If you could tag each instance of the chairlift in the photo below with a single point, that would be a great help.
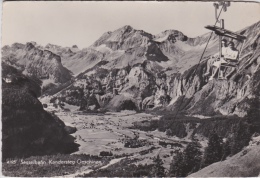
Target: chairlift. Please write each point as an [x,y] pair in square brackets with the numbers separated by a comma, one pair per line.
[231,59]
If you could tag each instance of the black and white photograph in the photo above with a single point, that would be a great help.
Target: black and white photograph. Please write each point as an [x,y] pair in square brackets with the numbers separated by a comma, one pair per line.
[130,89]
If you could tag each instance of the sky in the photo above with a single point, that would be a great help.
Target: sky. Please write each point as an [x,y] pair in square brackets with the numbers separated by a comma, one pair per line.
[82,23]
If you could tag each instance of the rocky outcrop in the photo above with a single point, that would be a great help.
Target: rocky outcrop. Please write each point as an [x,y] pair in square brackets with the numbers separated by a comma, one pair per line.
[134,83]
[121,102]
[27,128]
[137,75]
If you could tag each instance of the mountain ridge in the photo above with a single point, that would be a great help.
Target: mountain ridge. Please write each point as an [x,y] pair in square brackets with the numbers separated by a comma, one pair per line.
[33,60]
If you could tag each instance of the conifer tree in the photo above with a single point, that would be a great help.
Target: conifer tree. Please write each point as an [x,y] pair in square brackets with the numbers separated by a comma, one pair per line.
[187,161]
[177,165]
[213,152]
[158,169]
[226,149]
[241,137]
[192,157]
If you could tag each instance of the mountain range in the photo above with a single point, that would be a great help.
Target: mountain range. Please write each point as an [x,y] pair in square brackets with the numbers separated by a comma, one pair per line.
[170,52]
[140,56]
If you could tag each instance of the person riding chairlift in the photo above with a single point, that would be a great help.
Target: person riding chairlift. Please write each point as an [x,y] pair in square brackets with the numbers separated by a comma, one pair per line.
[214,63]
[231,54]
[213,59]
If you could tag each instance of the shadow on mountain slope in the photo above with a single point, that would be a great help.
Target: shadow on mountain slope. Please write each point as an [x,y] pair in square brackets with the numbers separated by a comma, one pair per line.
[27,128]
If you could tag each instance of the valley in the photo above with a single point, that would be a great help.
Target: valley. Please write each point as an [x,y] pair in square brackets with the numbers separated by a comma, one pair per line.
[110,132]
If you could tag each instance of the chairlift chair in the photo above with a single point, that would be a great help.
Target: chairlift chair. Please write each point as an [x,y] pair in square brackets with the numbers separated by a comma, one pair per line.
[233,36]
[222,32]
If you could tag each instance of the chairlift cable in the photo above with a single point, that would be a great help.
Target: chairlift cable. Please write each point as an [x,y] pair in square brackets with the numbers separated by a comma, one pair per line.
[197,66]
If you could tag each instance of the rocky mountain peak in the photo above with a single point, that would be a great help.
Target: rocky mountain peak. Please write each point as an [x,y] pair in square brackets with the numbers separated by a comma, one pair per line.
[34,43]
[17,46]
[127,28]
[29,46]
[171,32]
[50,55]
[170,35]
[123,38]
[49,45]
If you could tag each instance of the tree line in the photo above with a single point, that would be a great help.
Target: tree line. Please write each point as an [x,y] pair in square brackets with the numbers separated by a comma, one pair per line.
[192,159]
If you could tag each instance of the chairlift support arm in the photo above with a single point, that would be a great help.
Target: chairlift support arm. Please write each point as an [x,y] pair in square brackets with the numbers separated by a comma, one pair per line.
[227,33]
